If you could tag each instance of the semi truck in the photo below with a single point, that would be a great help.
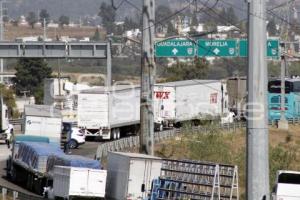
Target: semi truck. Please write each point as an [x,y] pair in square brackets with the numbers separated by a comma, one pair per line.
[111,113]
[44,169]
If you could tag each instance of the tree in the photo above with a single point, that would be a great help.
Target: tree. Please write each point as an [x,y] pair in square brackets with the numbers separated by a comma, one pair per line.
[31,19]
[30,73]
[129,24]
[185,71]
[108,16]
[171,30]
[231,16]
[271,28]
[96,36]
[162,15]
[9,100]
[15,22]
[44,15]
[63,20]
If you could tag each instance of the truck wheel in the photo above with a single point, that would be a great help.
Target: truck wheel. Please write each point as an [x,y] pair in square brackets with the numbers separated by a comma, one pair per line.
[13,175]
[73,144]
[118,133]
[29,182]
[161,127]
[113,134]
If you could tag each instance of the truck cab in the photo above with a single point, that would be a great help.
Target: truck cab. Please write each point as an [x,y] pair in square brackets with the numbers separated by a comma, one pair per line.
[287,186]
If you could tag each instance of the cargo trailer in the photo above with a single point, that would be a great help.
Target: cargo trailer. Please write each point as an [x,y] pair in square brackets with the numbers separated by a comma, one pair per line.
[43,120]
[199,99]
[130,175]
[78,182]
[107,113]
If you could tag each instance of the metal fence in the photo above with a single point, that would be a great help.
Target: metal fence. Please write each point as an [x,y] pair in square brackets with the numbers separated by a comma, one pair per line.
[16,195]
[134,141]
[131,142]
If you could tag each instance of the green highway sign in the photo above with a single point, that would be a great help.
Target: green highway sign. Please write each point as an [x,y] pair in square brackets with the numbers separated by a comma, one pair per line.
[243,48]
[175,48]
[272,48]
[219,48]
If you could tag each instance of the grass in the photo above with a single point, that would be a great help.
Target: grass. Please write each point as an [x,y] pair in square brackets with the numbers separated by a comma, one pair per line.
[229,148]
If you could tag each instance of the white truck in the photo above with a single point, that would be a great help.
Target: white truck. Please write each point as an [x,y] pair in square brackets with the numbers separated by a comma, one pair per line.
[193,100]
[43,120]
[287,186]
[106,113]
[112,113]
[130,175]
[6,129]
[78,182]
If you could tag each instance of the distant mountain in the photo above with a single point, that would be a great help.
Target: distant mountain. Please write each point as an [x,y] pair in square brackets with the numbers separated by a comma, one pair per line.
[80,8]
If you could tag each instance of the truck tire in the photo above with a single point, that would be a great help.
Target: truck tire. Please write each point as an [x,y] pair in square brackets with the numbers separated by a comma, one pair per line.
[113,134]
[13,175]
[29,182]
[118,133]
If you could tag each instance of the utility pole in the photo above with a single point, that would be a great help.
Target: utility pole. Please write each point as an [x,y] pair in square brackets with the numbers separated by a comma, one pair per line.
[1,38]
[147,78]
[45,29]
[257,118]
[283,123]
[108,64]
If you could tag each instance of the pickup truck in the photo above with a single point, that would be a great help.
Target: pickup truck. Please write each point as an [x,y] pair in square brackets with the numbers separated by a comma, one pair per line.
[287,186]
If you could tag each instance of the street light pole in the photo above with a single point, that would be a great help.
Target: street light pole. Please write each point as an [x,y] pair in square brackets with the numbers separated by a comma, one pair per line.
[147,79]
[257,118]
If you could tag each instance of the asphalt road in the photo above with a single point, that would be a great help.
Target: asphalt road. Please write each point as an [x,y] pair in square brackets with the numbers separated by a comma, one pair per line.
[88,149]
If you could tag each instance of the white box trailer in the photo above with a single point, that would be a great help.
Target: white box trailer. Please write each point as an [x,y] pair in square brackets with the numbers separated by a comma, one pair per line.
[130,175]
[196,99]
[164,105]
[43,120]
[78,182]
[103,113]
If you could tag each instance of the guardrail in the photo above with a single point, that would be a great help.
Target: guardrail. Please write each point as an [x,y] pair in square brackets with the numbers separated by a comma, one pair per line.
[134,141]
[7,193]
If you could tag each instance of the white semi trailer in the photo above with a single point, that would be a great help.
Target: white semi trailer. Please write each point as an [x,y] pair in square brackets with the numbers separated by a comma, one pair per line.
[194,100]
[110,113]
[106,113]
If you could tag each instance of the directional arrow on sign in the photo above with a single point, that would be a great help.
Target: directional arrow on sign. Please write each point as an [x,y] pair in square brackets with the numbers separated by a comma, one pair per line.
[175,51]
[216,51]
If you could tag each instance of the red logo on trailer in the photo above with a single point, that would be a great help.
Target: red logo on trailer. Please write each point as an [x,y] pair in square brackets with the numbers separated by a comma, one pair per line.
[214,98]
[161,95]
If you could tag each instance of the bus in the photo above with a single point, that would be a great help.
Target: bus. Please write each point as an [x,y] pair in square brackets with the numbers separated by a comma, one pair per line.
[292,99]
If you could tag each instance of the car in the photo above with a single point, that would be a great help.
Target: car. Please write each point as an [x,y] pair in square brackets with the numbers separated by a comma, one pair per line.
[228,118]
[75,135]
[77,138]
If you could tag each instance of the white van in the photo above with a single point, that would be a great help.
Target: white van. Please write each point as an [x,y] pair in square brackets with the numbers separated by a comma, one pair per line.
[287,186]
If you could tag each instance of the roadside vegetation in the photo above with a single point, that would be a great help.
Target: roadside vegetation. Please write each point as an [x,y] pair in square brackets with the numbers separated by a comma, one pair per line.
[229,148]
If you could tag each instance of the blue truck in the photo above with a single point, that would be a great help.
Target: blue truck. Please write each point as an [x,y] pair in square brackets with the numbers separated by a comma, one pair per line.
[292,99]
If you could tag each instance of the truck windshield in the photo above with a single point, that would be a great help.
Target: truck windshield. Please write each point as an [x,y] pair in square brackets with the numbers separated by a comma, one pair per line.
[289,178]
